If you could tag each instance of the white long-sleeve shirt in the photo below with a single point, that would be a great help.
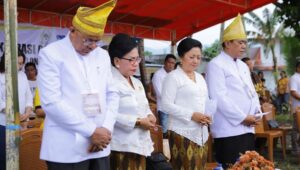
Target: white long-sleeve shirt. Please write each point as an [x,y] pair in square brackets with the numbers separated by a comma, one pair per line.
[2,99]
[24,95]
[157,82]
[229,83]
[295,86]
[181,97]
[133,104]
[64,79]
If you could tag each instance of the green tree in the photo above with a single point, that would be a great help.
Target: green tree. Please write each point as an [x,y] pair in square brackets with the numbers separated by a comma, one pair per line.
[288,12]
[211,51]
[147,53]
[291,46]
[268,30]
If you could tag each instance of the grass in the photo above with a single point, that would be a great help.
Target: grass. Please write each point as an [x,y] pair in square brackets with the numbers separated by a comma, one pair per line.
[292,162]
[284,119]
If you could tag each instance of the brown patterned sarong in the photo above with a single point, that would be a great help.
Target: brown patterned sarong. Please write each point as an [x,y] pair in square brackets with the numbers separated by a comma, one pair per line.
[185,154]
[127,161]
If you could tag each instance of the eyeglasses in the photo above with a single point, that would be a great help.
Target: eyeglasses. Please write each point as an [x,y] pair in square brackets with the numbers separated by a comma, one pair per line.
[89,42]
[133,60]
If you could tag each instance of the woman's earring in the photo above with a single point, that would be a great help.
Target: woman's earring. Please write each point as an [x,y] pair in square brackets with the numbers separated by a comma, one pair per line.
[117,66]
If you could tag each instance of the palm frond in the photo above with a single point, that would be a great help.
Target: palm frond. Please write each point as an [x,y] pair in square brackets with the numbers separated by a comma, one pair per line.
[256,41]
[253,34]
[258,22]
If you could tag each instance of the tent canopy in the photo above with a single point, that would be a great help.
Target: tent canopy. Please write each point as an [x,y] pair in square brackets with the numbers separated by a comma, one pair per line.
[169,20]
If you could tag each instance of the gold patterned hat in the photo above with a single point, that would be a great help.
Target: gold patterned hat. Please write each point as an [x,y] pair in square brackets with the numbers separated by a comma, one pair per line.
[235,31]
[91,21]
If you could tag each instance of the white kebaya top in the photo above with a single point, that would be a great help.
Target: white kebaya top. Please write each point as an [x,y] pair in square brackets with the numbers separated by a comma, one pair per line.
[133,104]
[181,97]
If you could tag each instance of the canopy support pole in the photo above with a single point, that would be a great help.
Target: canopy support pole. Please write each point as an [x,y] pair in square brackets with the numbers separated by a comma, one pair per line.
[142,63]
[11,78]
[173,42]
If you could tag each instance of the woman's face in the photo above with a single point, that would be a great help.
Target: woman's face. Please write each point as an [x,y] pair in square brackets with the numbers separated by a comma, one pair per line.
[20,63]
[191,59]
[128,64]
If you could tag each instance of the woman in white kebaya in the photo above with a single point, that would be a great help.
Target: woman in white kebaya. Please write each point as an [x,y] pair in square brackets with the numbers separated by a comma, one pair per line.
[25,102]
[184,95]
[131,141]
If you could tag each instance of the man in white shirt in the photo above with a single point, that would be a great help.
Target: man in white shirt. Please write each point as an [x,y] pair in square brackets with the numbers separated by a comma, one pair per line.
[158,78]
[230,84]
[31,73]
[77,96]
[295,93]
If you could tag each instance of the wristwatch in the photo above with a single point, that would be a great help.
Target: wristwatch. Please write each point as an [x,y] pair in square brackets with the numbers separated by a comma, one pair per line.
[138,122]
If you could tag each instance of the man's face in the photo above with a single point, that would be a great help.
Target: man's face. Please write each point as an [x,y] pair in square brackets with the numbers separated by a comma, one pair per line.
[20,63]
[282,74]
[260,75]
[82,43]
[236,48]
[298,69]
[30,72]
[169,64]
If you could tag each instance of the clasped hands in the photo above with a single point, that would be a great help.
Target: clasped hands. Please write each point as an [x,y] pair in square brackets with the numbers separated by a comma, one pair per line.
[102,136]
[147,122]
[100,139]
[201,118]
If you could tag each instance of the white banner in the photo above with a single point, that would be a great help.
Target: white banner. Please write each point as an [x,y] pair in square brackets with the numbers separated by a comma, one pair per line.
[30,41]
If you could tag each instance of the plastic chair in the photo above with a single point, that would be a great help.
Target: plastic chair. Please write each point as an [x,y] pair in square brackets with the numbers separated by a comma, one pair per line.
[270,135]
[298,118]
[157,138]
[210,149]
[267,107]
[30,150]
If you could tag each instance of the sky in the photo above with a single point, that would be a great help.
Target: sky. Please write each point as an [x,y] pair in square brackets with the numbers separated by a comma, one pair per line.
[206,37]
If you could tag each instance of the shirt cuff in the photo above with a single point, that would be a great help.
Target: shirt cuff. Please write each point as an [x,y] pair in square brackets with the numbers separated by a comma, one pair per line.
[188,115]
[87,129]
[241,121]
[109,123]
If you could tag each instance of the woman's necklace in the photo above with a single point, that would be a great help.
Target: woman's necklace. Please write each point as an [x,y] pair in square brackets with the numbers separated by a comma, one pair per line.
[191,76]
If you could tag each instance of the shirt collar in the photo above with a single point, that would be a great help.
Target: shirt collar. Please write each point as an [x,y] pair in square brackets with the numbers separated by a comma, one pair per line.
[118,76]
[228,56]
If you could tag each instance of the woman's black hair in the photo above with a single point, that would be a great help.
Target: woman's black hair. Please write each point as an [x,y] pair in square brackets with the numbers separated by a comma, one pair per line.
[21,53]
[151,76]
[245,59]
[120,45]
[177,64]
[186,45]
[2,63]
[2,60]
